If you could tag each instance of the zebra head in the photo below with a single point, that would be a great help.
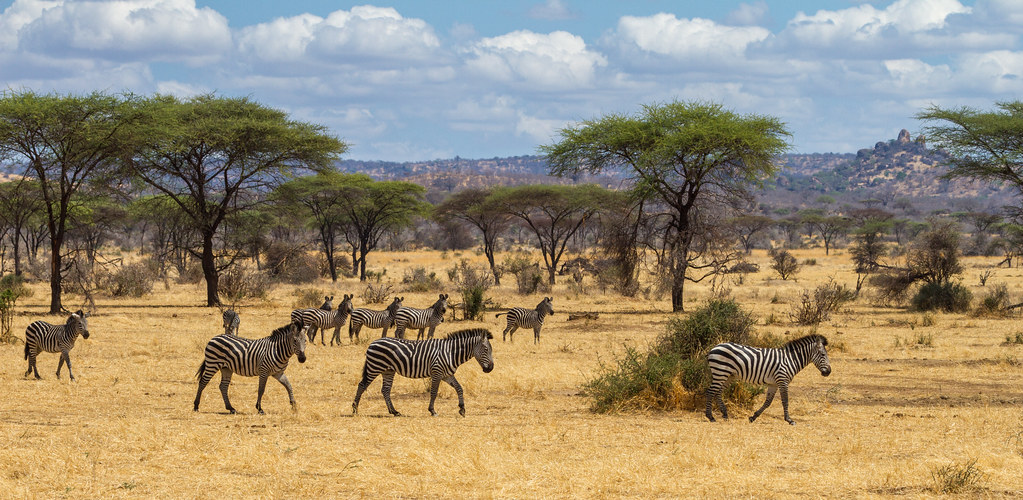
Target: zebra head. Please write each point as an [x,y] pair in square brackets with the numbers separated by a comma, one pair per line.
[483,353]
[819,355]
[328,303]
[296,338]
[544,307]
[78,323]
[393,308]
[346,305]
[440,308]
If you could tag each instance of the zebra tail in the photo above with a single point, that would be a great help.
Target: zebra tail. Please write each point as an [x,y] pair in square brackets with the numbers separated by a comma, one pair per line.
[498,315]
[202,368]
[26,349]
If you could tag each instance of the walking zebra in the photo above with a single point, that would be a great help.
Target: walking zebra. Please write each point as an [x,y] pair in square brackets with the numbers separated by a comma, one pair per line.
[434,358]
[372,319]
[773,367]
[231,322]
[410,317]
[323,318]
[41,336]
[527,318]
[265,357]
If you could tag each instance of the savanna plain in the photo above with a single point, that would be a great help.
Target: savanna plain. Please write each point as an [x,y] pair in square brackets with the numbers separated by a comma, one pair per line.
[910,394]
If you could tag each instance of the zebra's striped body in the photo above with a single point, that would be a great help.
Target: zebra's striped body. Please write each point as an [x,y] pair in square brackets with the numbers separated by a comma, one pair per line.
[41,336]
[372,319]
[322,319]
[434,358]
[265,357]
[410,317]
[231,322]
[772,367]
[520,317]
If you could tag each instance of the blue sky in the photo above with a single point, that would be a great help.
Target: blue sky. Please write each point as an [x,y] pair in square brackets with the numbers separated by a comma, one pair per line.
[416,80]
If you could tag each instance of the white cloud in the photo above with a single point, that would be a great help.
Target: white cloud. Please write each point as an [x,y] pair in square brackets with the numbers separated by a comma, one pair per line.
[551,10]
[541,130]
[122,30]
[366,35]
[749,14]
[687,39]
[559,60]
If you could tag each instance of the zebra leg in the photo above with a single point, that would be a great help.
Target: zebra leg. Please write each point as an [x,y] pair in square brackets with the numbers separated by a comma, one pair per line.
[434,384]
[225,381]
[419,336]
[784,389]
[262,387]
[32,364]
[536,335]
[67,360]
[337,335]
[204,378]
[767,402]
[287,385]
[386,391]
[353,331]
[509,331]
[458,389]
[312,333]
[709,396]
[367,379]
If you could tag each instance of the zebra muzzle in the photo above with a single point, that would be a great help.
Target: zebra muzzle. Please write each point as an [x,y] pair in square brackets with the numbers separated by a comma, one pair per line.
[827,371]
[301,357]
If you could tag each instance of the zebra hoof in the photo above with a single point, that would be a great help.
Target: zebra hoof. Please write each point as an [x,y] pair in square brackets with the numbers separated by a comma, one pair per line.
[751,419]
[396,413]
[461,411]
[231,411]
[791,422]
[433,413]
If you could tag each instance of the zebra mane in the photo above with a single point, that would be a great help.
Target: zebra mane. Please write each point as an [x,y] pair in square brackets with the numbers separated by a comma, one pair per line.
[282,331]
[470,333]
[807,339]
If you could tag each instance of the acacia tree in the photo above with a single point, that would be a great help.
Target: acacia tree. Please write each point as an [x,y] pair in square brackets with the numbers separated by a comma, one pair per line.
[318,197]
[553,213]
[746,228]
[20,201]
[64,141]
[213,155]
[477,207]
[829,227]
[372,209]
[982,146]
[679,154]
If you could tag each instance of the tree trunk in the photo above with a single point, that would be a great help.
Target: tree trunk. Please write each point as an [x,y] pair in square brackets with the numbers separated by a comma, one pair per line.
[17,251]
[209,271]
[56,307]
[488,249]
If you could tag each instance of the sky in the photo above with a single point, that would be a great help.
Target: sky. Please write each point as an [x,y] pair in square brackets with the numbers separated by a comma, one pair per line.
[410,80]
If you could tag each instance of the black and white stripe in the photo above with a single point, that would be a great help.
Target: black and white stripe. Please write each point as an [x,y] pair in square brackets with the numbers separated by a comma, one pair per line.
[410,317]
[231,322]
[41,336]
[322,319]
[434,358]
[265,357]
[371,318]
[520,317]
[772,367]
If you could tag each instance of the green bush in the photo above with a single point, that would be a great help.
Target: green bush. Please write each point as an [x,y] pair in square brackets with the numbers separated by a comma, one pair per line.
[418,280]
[946,296]
[472,282]
[995,302]
[674,374]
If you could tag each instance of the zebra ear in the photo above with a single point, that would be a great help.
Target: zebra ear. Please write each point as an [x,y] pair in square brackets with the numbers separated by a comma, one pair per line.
[824,341]
[490,336]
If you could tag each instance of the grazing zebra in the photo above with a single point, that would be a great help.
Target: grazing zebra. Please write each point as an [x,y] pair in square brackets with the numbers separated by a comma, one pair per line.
[372,319]
[410,317]
[527,318]
[323,319]
[231,322]
[265,357]
[434,358]
[773,367]
[41,336]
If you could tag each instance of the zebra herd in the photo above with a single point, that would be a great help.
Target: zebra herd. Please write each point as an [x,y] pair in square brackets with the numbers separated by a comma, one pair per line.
[436,359]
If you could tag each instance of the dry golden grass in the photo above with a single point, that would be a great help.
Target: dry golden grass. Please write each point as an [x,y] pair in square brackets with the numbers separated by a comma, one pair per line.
[892,412]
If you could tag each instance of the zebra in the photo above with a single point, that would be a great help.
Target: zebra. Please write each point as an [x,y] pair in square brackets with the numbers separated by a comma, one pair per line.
[231,322]
[322,318]
[773,367]
[527,318]
[41,336]
[265,357]
[372,319]
[410,317]
[434,358]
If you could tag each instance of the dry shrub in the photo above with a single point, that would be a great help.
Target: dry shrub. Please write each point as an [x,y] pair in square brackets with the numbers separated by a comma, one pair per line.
[995,303]
[192,274]
[377,293]
[784,263]
[956,478]
[419,280]
[291,263]
[674,374]
[817,306]
[472,282]
[132,280]
[12,288]
[239,283]
[307,298]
